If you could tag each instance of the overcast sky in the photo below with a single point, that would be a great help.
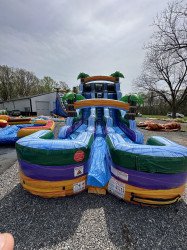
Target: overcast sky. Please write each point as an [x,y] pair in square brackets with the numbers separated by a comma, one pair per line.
[61,38]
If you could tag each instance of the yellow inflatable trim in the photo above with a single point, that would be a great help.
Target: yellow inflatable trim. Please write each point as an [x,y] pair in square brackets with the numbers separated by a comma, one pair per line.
[4,117]
[144,196]
[50,189]
[47,125]
[96,190]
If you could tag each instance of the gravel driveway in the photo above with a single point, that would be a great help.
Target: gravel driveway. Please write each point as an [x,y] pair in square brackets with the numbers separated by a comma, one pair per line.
[7,157]
[87,221]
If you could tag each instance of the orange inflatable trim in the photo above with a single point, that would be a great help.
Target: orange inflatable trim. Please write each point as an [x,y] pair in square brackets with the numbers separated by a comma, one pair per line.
[16,120]
[99,78]
[101,103]
[47,125]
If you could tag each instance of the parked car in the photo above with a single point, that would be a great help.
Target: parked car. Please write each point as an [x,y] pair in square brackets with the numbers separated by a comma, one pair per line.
[15,112]
[178,115]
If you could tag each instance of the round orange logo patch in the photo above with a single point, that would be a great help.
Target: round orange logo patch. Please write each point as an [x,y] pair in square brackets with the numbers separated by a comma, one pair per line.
[79,156]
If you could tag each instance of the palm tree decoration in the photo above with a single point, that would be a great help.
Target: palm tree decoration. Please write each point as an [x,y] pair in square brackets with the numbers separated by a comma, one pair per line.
[124,98]
[68,96]
[117,74]
[82,75]
[79,97]
[133,98]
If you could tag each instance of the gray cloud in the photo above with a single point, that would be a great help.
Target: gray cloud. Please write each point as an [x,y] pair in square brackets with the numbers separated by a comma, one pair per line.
[61,38]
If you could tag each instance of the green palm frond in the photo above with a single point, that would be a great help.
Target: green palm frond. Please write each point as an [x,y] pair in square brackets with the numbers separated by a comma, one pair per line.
[82,75]
[117,74]
[124,98]
[79,97]
[68,96]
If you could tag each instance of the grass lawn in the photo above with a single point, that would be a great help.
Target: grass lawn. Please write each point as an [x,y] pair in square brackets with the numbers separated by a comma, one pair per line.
[164,117]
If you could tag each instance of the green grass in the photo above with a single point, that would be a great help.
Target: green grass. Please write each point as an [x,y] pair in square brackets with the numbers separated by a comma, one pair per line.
[164,117]
[155,116]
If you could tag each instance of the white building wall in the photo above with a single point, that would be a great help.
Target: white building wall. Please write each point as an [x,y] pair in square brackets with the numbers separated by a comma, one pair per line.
[51,98]
[9,106]
[24,104]
[18,104]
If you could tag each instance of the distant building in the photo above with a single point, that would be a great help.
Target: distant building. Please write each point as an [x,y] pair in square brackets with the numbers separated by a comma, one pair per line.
[42,104]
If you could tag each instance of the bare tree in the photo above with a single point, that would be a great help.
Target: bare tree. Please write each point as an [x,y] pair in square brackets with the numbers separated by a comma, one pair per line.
[171,29]
[165,66]
[64,86]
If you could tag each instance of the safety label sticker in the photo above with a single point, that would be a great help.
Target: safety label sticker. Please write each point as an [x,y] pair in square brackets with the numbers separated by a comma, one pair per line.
[116,187]
[78,171]
[78,187]
[119,174]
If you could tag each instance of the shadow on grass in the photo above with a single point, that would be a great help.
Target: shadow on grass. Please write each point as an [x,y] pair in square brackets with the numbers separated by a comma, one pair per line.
[43,223]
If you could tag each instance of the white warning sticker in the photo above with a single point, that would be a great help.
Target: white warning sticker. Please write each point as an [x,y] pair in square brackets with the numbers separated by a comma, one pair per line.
[78,187]
[116,187]
[78,171]
[119,174]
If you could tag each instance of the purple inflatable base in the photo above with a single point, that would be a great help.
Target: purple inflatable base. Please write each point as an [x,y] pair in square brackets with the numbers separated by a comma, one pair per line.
[148,180]
[52,173]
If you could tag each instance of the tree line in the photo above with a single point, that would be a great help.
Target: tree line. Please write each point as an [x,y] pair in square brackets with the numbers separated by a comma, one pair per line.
[164,72]
[17,82]
[155,105]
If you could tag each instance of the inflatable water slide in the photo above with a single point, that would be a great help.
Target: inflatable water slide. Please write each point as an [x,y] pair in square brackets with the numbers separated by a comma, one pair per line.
[100,149]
